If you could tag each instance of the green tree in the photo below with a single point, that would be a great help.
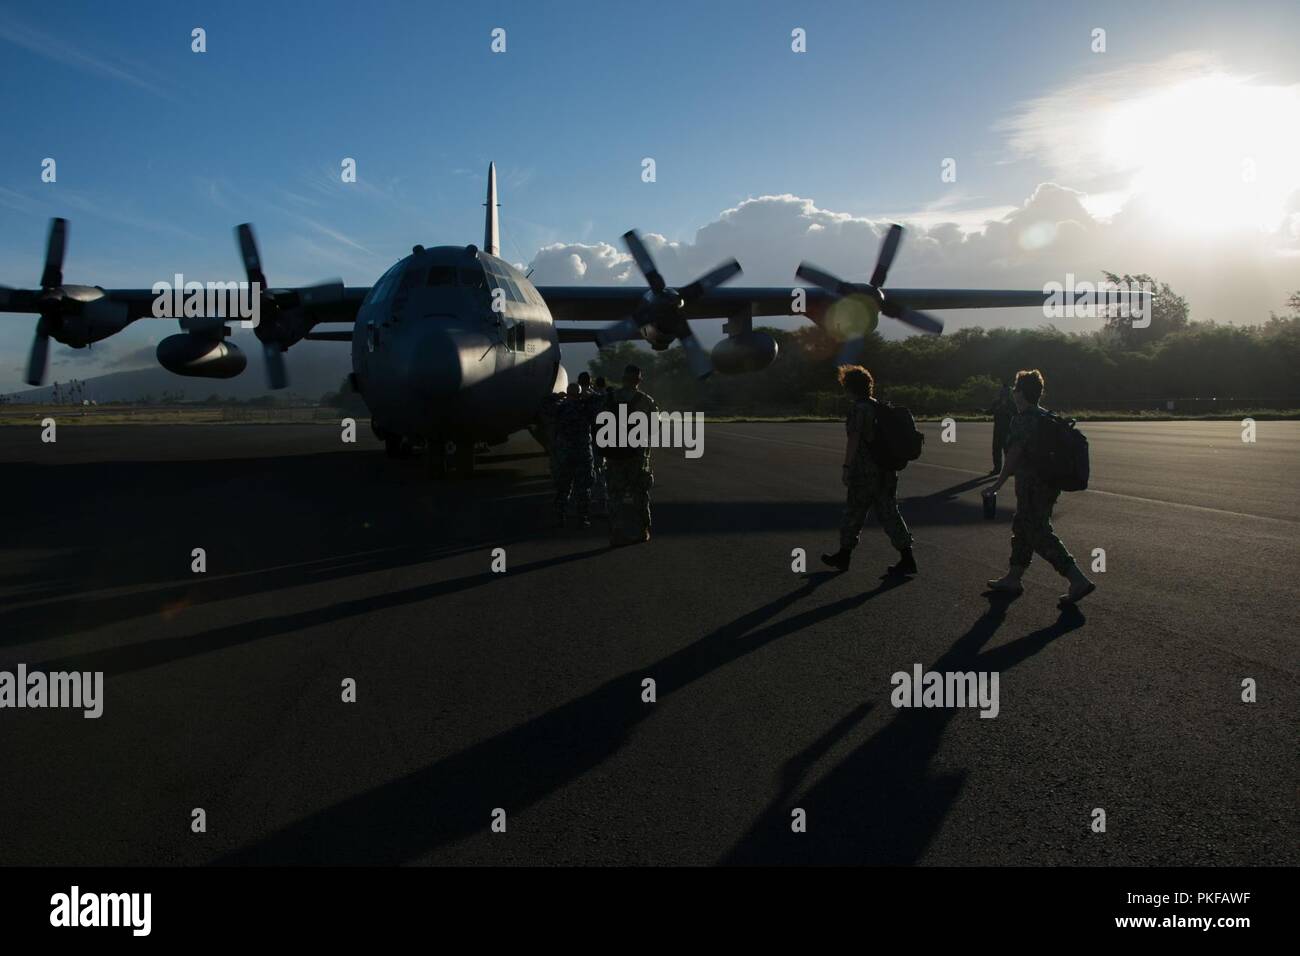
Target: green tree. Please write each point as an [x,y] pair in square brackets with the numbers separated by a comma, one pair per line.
[1169,311]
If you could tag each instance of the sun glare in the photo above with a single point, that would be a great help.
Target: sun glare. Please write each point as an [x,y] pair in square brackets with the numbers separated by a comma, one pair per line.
[1210,154]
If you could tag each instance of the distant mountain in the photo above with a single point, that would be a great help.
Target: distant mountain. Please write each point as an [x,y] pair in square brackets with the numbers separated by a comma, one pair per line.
[314,369]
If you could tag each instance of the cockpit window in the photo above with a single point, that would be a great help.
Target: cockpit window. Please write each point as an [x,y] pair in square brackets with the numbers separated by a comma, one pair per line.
[473,279]
[442,275]
[384,287]
[500,278]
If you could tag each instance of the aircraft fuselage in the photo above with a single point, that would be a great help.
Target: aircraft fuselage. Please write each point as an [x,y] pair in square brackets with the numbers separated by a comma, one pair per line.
[454,344]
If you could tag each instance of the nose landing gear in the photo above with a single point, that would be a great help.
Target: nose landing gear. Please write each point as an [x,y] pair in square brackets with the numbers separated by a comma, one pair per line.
[444,456]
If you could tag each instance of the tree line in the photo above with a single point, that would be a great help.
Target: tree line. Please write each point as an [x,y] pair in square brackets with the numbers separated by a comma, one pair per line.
[1174,359]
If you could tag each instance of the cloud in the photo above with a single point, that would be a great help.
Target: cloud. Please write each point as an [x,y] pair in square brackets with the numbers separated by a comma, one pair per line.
[770,235]
[1208,149]
[1068,128]
[1049,234]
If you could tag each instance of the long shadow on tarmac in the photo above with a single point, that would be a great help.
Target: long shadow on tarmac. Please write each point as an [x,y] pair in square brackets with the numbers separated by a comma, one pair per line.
[164,650]
[312,518]
[881,805]
[448,800]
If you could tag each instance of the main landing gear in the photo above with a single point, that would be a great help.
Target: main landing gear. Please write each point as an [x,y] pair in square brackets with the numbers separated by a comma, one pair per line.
[442,456]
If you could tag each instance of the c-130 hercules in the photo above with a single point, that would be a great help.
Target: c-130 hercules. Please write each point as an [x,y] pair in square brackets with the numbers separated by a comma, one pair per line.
[454,346]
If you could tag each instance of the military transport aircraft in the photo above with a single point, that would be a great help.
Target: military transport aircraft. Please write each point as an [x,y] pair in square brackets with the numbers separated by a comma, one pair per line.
[454,346]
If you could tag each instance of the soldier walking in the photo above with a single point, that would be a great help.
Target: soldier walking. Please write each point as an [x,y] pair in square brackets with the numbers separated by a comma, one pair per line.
[869,485]
[1031,528]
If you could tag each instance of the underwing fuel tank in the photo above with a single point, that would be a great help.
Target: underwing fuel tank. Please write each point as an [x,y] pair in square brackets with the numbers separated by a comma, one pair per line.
[200,357]
[746,352]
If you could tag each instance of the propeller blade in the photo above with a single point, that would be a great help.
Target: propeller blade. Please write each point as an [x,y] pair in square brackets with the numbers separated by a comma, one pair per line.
[810,273]
[710,279]
[888,249]
[252,259]
[917,320]
[619,332]
[641,255]
[36,360]
[58,242]
[696,356]
[276,376]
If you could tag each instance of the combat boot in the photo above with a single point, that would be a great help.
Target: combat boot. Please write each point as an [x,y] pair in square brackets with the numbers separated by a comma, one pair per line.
[1009,583]
[906,565]
[839,560]
[1080,587]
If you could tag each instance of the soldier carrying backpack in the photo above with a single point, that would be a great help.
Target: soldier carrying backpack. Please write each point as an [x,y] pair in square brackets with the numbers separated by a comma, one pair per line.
[1047,455]
[882,439]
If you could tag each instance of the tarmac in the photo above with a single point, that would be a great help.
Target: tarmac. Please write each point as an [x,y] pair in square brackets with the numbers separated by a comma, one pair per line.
[525,691]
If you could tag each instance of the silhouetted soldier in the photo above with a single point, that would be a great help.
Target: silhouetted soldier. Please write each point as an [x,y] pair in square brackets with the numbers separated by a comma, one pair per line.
[571,454]
[1031,528]
[1002,410]
[869,486]
[628,471]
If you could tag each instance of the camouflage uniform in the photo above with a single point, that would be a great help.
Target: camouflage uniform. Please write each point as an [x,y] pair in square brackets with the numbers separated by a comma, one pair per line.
[631,475]
[1004,408]
[870,487]
[571,454]
[1031,528]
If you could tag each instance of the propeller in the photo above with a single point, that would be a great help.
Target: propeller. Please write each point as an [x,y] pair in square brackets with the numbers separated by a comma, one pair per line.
[49,301]
[67,313]
[873,290]
[663,308]
[281,311]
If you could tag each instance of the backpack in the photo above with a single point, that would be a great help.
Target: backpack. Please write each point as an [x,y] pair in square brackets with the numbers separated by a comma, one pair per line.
[897,440]
[1059,454]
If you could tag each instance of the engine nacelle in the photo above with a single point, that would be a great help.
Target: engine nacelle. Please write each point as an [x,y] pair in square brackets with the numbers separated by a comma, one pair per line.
[746,352]
[200,357]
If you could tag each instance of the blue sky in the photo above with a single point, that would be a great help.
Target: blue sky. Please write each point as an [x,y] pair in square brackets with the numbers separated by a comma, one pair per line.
[161,151]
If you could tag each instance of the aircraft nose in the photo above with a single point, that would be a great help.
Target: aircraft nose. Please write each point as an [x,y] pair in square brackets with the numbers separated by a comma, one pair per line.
[447,360]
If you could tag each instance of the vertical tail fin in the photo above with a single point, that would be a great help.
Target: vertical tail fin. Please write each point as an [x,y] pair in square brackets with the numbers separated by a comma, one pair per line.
[491,228]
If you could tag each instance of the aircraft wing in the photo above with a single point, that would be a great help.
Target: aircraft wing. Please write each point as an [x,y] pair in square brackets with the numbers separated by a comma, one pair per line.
[77,315]
[612,303]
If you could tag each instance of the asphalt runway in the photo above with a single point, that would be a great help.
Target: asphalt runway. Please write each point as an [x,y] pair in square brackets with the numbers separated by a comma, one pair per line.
[523,690]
